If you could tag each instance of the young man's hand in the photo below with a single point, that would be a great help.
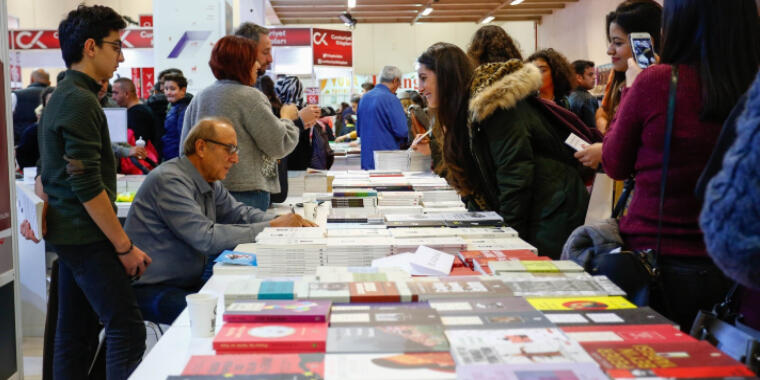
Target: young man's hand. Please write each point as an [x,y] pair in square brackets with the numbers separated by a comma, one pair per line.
[135,262]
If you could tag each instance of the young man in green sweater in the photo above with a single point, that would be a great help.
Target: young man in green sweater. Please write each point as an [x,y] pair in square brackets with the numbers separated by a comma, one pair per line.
[97,259]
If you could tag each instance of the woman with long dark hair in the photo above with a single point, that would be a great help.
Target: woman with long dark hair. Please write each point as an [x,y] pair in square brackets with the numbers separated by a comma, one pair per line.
[498,148]
[556,76]
[631,16]
[712,75]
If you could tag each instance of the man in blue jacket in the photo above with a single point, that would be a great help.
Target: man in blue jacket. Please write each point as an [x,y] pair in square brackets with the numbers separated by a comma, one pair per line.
[380,119]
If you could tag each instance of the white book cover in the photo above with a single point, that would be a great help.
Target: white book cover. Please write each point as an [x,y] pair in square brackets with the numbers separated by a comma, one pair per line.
[515,346]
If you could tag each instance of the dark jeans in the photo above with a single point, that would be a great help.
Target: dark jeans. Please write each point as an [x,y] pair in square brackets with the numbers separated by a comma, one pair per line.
[91,276]
[688,285]
[161,303]
[253,198]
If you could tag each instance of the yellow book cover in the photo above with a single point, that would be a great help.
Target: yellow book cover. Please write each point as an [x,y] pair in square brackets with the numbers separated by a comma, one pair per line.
[539,266]
[580,303]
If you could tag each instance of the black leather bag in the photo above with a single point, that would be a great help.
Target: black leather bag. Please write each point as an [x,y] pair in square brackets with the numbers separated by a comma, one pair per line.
[636,272]
[723,328]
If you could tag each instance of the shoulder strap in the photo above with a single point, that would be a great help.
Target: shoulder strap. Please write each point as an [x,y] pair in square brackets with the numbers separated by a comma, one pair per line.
[666,154]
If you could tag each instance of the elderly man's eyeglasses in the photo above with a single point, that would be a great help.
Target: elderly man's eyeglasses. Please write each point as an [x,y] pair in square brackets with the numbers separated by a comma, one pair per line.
[231,148]
[116,44]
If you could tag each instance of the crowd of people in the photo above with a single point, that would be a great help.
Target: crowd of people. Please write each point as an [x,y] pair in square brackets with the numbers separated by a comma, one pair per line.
[494,123]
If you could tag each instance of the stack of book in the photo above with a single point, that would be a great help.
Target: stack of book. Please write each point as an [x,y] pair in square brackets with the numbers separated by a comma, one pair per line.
[391,160]
[356,251]
[273,327]
[451,245]
[287,257]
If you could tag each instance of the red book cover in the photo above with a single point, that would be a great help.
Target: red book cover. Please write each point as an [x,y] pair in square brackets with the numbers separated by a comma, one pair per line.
[457,262]
[679,360]
[310,366]
[463,271]
[385,291]
[627,334]
[501,255]
[271,337]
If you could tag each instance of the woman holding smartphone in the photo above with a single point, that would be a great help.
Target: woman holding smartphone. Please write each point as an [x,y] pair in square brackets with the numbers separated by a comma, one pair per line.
[631,16]
[712,75]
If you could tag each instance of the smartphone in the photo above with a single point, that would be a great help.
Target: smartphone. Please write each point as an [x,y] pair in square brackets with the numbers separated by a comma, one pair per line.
[643,49]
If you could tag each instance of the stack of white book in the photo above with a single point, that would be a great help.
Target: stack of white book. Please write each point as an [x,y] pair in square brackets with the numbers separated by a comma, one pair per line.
[381,232]
[440,195]
[356,251]
[296,182]
[278,233]
[495,244]
[399,198]
[287,257]
[392,160]
[451,245]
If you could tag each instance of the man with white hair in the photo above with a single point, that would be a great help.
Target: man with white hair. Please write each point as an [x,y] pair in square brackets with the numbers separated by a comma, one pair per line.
[380,119]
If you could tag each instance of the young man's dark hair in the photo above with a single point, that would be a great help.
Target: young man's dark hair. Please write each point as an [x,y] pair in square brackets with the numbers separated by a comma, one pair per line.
[180,80]
[581,65]
[85,22]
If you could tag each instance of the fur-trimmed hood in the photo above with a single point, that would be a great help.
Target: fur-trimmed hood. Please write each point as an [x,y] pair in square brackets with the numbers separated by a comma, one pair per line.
[501,85]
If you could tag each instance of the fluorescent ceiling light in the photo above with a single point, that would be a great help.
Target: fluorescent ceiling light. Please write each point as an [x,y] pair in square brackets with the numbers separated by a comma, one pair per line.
[486,20]
[427,11]
[351,3]
[515,2]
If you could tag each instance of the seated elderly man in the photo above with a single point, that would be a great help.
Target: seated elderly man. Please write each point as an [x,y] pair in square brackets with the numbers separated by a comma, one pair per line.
[182,216]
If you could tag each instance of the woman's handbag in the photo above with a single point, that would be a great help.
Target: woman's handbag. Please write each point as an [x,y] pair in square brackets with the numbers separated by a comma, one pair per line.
[723,328]
[636,272]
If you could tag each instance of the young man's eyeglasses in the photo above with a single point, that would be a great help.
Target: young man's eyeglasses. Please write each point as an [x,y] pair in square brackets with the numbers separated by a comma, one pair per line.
[116,44]
[231,148]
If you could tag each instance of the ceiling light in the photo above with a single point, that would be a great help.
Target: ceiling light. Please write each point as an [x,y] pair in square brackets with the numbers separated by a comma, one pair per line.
[351,3]
[347,19]
[515,2]
[486,19]
[427,11]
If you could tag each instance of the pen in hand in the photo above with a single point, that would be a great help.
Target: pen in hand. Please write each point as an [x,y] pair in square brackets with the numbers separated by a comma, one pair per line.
[419,138]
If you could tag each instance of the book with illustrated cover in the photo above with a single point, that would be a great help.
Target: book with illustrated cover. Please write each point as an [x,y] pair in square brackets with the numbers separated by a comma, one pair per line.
[673,360]
[387,339]
[515,346]
[580,303]
[543,371]
[270,338]
[382,314]
[639,316]
[627,334]
[291,366]
[278,311]
[392,366]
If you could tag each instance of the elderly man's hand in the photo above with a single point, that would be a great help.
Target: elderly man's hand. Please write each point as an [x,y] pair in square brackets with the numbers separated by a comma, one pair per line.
[291,220]
[27,232]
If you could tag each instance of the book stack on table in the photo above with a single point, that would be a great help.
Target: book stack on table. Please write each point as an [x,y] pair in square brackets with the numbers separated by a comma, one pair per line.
[446,328]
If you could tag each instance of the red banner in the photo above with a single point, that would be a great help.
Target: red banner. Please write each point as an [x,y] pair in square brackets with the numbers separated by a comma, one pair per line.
[147,78]
[48,39]
[146,21]
[332,47]
[312,95]
[290,36]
